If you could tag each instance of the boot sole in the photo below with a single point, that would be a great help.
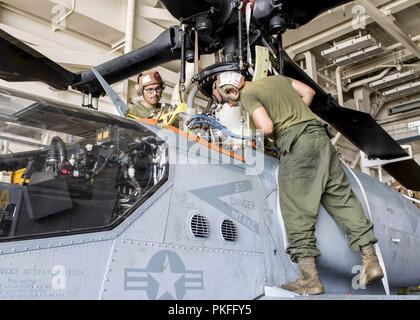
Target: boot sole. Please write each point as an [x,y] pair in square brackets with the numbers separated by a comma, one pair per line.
[375,278]
[312,292]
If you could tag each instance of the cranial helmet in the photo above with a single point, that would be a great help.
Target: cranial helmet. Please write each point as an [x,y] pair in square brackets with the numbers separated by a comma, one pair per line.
[227,86]
[148,79]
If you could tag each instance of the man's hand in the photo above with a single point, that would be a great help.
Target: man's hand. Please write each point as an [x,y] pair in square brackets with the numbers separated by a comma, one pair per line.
[306,92]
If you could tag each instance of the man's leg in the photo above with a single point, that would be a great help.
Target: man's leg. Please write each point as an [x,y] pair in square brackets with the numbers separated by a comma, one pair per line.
[299,210]
[300,194]
[343,205]
[301,180]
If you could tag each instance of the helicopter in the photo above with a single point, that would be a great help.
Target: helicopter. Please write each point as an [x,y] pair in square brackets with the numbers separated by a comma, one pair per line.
[107,207]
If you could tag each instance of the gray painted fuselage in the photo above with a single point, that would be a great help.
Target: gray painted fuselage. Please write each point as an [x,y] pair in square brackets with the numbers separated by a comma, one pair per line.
[154,255]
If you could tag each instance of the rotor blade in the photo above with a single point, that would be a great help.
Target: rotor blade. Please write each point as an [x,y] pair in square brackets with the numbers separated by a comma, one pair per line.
[185,8]
[298,10]
[405,172]
[19,62]
[119,104]
[163,49]
[359,128]
[302,13]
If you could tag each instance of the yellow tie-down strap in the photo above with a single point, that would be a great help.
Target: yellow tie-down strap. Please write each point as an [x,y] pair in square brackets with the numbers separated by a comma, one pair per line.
[167,119]
[164,119]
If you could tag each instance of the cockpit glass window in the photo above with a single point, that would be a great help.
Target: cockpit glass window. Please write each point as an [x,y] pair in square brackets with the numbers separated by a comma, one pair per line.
[26,138]
[69,170]
[10,104]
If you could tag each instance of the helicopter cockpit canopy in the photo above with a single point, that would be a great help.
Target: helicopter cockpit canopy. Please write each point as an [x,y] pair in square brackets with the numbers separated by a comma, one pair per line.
[65,169]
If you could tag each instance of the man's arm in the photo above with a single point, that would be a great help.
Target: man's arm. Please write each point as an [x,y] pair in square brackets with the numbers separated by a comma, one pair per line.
[263,121]
[306,92]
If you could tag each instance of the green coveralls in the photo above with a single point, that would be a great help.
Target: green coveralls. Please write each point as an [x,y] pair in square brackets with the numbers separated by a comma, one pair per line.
[139,110]
[310,170]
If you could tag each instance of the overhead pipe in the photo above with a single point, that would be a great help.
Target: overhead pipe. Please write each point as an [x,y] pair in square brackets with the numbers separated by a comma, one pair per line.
[129,38]
[129,31]
[367,80]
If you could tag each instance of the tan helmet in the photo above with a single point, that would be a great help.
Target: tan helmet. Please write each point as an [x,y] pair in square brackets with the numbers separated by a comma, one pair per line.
[148,79]
[227,86]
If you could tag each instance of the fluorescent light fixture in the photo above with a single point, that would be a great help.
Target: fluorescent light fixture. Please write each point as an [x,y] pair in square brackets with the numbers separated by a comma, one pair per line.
[393,79]
[347,46]
[359,55]
[402,90]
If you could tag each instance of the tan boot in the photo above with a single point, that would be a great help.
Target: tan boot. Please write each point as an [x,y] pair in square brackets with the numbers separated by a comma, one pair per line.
[308,282]
[371,271]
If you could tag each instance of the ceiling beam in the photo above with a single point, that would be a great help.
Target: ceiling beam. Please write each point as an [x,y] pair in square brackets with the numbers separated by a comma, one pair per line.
[144,29]
[106,25]
[391,58]
[390,25]
[156,14]
[18,19]
[335,24]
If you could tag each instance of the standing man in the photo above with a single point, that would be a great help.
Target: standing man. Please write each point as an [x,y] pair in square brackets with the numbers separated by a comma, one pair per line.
[150,86]
[310,173]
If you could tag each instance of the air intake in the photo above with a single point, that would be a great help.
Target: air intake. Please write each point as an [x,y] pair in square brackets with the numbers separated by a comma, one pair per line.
[200,226]
[228,230]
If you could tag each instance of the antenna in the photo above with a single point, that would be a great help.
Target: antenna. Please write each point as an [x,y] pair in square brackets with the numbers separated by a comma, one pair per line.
[116,100]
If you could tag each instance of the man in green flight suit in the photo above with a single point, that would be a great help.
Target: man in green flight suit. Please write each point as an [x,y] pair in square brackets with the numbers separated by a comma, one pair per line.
[310,173]
[150,86]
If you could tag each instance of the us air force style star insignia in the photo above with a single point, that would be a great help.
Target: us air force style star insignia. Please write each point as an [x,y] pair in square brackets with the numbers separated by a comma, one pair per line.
[165,278]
